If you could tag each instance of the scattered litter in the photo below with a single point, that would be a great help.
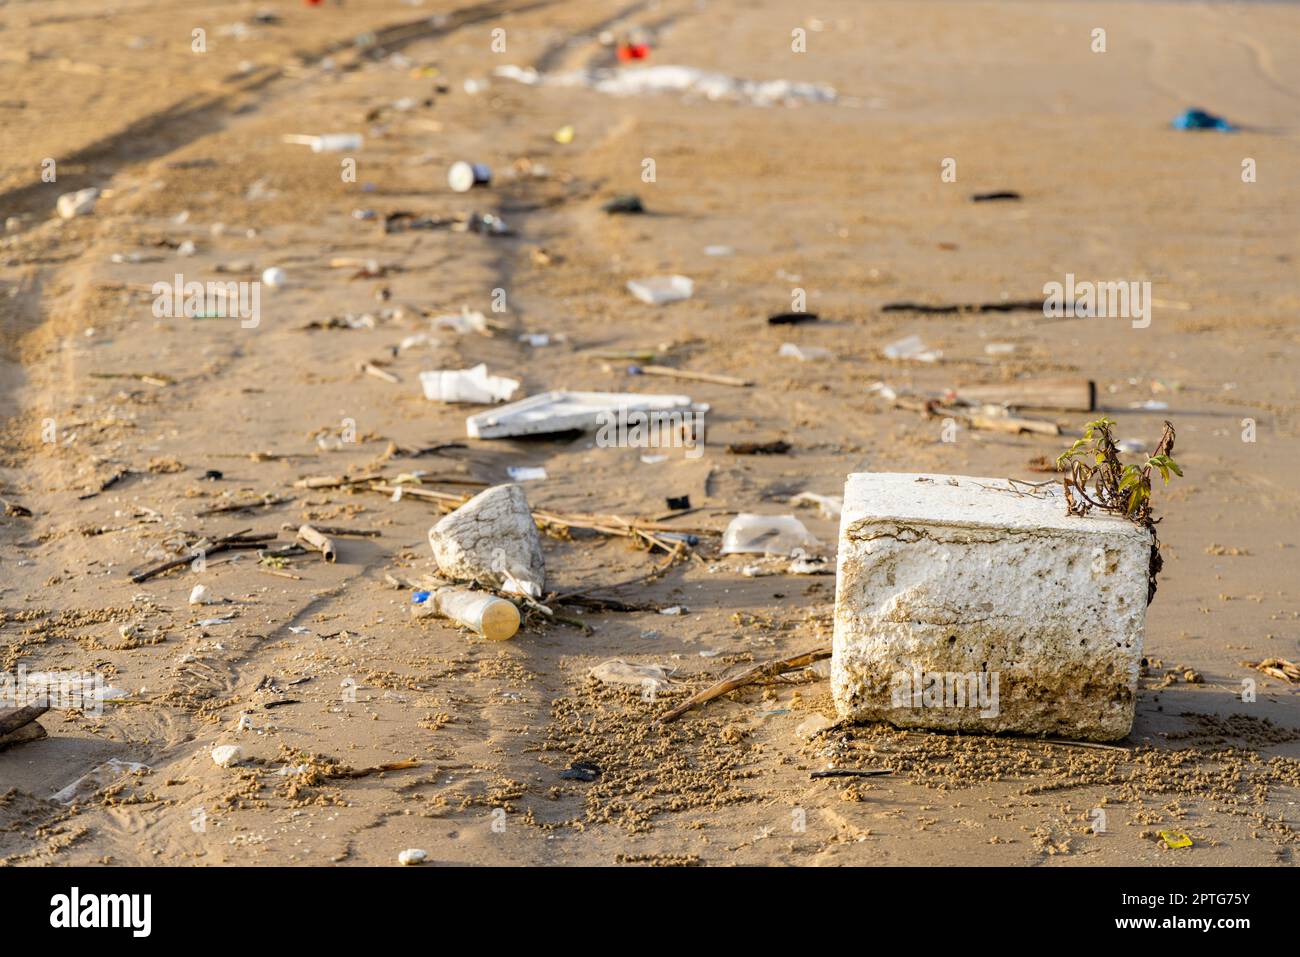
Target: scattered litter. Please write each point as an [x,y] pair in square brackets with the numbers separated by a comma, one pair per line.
[627,204]
[564,135]
[777,447]
[484,614]
[999,348]
[1176,839]
[615,671]
[801,564]
[828,505]
[812,726]
[412,856]
[526,473]
[227,755]
[1196,119]
[911,348]
[1131,446]
[629,52]
[678,502]
[1004,194]
[327,142]
[1006,305]
[96,780]
[463,322]
[467,385]
[1150,405]
[791,318]
[849,773]
[462,176]
[275,277]
[671,373]
[491,539]
[683,80]
[1065,394]
[561,411]
[804,353]
[581,771]
[199,596]
[80,203]
[719,250]
[220,620]
[673,610]
[661,290]
[765,535]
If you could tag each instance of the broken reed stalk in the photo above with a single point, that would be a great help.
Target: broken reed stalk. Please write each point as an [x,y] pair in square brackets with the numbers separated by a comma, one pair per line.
[227,543]
[770,669]
[377,769]
[932,408]
[319,542]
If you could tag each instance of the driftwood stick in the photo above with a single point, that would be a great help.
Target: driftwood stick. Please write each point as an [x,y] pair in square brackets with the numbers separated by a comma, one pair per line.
[768,669]
[320,542]
[11,719]
[28,732]
[377,769]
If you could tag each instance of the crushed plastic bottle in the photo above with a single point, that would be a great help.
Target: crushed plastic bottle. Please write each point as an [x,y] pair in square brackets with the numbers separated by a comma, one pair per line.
[766,535]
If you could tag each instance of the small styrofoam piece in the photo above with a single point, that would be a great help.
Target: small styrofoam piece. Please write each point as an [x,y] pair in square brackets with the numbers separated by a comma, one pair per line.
[563,411]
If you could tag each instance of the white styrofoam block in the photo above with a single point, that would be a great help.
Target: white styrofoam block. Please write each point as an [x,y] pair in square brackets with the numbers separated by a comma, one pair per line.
[968,604]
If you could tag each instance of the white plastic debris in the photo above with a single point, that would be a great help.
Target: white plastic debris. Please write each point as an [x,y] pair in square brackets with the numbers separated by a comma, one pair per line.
[804,353]
[464,321]
[462,176]
[561,411]
[616,671]
[911,348]
[765,535]
[812,726]
[100,777]
[661,290]
[684,80]
[411,856]
[328,142]
[80,203]
[227,755]
[199,595]
[467,385]
[526,473]
[491,539]
[275,277]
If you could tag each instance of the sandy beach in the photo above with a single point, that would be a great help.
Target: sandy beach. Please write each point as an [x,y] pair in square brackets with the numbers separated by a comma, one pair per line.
[133,438]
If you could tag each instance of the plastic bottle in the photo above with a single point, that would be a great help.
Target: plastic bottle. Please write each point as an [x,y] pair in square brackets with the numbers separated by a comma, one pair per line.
[494,618]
